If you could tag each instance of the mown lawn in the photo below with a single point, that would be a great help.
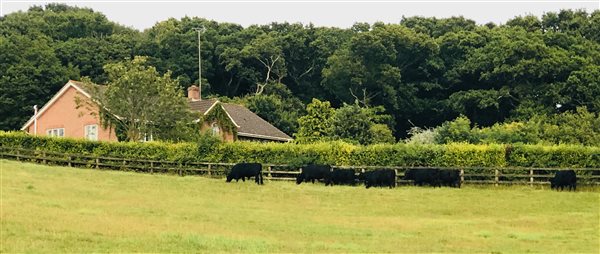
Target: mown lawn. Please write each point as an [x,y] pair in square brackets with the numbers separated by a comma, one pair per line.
[56,209]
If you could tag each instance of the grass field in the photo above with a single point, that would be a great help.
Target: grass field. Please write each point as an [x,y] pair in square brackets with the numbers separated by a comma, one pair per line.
[56,209]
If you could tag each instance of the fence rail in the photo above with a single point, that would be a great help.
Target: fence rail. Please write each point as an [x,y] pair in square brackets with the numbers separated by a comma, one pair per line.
[469,175]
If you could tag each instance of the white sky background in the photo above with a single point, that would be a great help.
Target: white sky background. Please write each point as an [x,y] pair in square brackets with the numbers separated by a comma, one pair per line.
[144,14]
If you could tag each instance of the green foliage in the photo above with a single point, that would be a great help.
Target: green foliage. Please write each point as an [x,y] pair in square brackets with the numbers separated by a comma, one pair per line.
[278,107]
[381,134]
[351,123]
[207,143]
[419,136]
[510,133]
[219,115]
[141,102]
[316,124]
[210,149]
[31,73]
[423,71]
[580,127]
[458,130]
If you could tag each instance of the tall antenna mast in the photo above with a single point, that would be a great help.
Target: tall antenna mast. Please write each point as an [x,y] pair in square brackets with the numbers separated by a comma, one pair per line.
[199,30]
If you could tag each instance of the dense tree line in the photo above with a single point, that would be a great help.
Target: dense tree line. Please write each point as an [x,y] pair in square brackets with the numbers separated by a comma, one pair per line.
[421,71]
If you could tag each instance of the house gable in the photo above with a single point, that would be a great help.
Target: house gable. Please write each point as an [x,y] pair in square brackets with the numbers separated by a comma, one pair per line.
[59,94]
[62,113]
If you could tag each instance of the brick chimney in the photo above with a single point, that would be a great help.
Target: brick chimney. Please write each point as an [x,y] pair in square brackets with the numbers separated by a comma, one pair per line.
[193,93]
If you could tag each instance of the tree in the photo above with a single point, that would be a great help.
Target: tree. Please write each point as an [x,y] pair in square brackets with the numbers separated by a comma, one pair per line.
[281,111]
[30,74]
[353,123]
[458,130]
[316,124]
[390,65]
[266,50]
[140,102]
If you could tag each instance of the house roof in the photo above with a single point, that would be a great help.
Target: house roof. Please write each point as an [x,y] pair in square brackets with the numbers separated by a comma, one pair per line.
[249,124]
[202,105]
[252,125]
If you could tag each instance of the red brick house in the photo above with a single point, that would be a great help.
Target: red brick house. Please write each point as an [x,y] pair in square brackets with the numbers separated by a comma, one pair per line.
[62,118]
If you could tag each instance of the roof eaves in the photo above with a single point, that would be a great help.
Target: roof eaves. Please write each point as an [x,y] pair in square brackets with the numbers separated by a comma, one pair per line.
[243,134]
[211,107]
[228,115]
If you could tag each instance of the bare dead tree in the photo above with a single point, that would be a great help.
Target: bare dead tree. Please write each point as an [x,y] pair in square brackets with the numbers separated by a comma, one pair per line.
[365,98]
[271,64]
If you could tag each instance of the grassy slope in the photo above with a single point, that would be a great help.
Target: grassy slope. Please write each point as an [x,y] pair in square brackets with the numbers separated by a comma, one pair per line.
[50,209]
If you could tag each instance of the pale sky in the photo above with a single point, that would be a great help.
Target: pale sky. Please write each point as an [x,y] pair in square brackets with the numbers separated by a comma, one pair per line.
[144,14]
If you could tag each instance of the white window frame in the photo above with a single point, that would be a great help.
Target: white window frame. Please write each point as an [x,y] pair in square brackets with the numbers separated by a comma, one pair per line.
[215,130]
[55,132]
[91,136]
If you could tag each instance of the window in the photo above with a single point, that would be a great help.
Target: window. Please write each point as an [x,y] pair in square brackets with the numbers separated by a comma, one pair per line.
[147,138]
[56,132]
[215,130]
[91,132]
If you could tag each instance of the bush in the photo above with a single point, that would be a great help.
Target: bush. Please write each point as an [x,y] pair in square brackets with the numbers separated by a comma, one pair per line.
[419,136]
[458,130]
[335,153]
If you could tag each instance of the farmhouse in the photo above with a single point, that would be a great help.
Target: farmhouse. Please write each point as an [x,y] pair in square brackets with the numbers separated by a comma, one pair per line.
[61,117]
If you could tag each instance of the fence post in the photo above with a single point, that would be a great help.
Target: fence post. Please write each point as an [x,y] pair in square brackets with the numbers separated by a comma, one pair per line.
[44,157]
[531,177]
[97,163]
[70,158]
[269,171]
[496,177]
[209,169]
[396,178]
[18,156]
[462,176]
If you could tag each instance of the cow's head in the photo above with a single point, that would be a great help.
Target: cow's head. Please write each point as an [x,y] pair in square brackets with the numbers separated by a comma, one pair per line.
[229,177]
[299,178]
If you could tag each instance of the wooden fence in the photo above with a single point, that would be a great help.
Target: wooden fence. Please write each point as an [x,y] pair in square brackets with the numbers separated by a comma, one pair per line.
[469,175]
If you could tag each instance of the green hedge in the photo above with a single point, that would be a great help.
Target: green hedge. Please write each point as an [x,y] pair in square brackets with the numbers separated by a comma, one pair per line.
[336,153]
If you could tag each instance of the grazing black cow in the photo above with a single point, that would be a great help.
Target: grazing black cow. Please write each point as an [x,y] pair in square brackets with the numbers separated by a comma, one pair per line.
[379,178]
[313,172]
[430,176]
[243,170]
[341,176]
[450,178]
[562,179]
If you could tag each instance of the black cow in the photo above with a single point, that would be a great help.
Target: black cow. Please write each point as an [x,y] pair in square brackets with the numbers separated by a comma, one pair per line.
[313,172]
[450,178]
[379,178]
[562,179]
[430,176]
[243,170]
[341,176]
